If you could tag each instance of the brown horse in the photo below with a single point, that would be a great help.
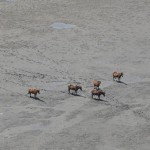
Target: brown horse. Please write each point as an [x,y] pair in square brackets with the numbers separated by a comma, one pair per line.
[33,91]
[98,93]
[117,75]
[96,83]
[74,87]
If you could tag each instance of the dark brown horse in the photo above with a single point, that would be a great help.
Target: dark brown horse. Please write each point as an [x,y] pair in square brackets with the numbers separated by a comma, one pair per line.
[98,93]
[117,75]
[33,91]
[96,83]
[74,87]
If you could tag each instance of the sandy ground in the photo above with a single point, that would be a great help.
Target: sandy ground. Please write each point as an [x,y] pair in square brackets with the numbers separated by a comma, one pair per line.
[104,36]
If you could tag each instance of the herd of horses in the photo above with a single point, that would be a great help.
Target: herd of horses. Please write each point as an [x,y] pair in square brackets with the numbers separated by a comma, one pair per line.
[95,91]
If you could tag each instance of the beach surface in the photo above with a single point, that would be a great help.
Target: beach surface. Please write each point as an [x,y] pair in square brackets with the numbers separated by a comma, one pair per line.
[49,44]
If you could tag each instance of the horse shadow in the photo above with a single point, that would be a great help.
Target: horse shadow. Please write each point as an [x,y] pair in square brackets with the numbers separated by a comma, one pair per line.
[97,99]
[36,98]
[122,82]
[77,95]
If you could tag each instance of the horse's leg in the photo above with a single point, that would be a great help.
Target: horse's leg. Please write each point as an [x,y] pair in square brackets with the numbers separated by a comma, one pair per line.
[114,78]
[68,89]
[35,95]
[30,94]
[92,95]
[76,92]
[99,96]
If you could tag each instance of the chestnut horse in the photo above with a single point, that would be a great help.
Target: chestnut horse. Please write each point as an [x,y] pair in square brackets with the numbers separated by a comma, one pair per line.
[33,91]
[96,83]
[117,75]
[74,87]
[98,93]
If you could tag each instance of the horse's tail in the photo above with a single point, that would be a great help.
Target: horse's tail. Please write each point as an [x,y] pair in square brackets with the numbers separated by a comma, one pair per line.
[69,84]
[92,81]
[29,91]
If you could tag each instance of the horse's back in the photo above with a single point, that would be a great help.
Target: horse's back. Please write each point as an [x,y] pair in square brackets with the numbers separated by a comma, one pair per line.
[32,90]
[96,82]
[115,74]
[71,86]
[94,91]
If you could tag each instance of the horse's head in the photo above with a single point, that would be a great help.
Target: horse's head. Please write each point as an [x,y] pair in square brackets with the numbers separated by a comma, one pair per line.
[122,74]
[80,87]
[99,82]
[104,94]
[38,91]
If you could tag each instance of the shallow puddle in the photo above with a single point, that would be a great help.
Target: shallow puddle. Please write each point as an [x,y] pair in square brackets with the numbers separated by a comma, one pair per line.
[59,25]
